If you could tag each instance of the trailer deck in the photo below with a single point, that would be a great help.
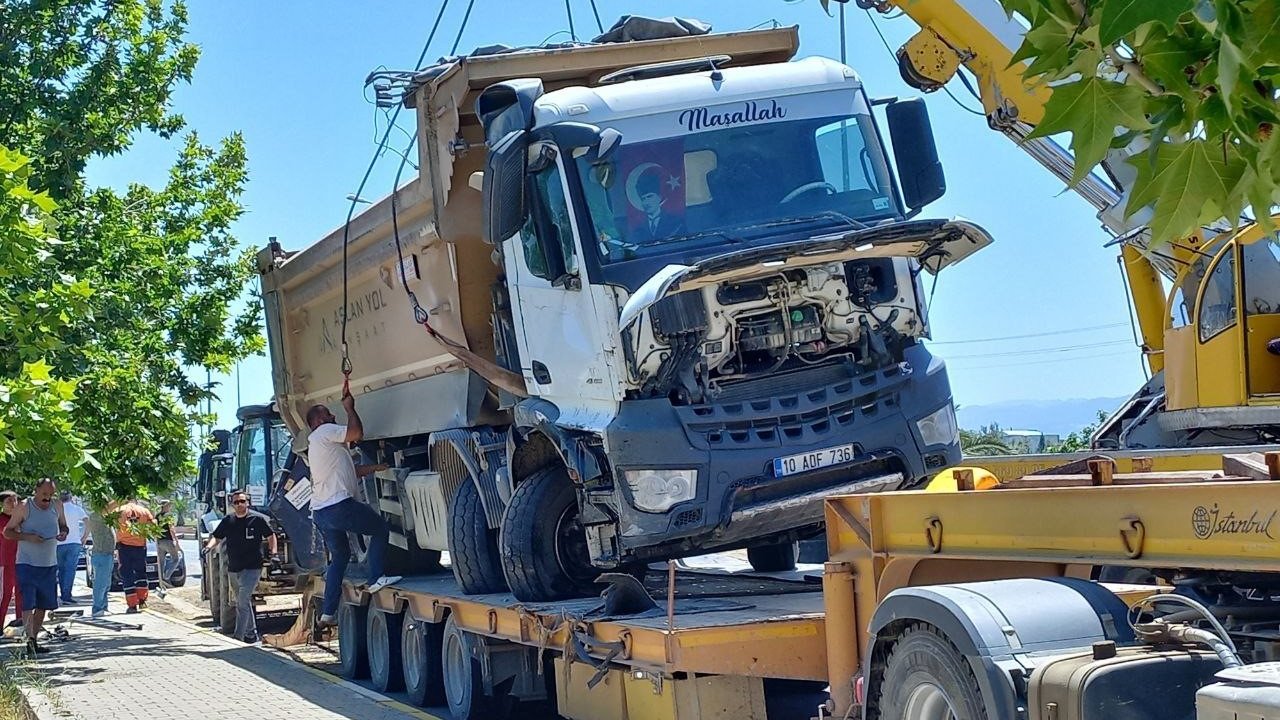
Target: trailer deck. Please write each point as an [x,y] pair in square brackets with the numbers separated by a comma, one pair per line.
[721,623]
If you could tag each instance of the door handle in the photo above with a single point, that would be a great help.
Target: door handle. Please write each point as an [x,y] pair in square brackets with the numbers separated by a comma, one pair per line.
[541,374]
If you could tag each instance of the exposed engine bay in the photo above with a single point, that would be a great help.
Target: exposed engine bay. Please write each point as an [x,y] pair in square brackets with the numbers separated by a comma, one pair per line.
[697,343]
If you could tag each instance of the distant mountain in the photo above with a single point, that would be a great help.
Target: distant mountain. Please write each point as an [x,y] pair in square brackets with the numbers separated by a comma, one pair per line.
[1058,417]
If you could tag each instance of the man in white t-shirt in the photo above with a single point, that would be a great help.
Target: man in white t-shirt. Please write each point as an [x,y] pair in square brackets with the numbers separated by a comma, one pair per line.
[70,550]
[335,506]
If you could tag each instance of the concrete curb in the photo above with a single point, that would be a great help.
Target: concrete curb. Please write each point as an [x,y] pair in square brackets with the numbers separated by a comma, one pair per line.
[38,706]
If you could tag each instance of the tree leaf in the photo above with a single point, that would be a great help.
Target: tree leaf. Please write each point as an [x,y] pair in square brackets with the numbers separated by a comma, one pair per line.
[1230,60]
[1262,33]
[1121,17]
[1092,110]
[1191,180]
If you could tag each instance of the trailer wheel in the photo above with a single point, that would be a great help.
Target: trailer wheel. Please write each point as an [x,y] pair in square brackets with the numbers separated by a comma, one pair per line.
[775,557]
[421,648]
[543,546]
[473,547]
[383,634]
[926,678]
[464,679]
[353,652]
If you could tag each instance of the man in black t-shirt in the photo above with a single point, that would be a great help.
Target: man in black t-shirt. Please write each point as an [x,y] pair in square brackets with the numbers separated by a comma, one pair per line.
[243,532]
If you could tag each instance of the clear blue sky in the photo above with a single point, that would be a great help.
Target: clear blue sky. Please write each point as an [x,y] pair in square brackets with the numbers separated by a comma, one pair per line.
[289,75]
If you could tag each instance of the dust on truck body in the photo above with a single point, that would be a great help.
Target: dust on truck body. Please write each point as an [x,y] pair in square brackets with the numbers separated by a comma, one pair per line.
[696,257]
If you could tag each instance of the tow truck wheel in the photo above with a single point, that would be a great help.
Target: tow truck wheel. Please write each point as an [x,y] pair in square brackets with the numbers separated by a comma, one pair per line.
[776,557]
[473,547]
[421,648]
[926,678]
[383,633]
[353,652]
[543,546]
[464,679]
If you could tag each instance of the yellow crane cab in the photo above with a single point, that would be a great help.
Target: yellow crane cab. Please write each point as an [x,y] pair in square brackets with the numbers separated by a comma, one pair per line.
[1223,312]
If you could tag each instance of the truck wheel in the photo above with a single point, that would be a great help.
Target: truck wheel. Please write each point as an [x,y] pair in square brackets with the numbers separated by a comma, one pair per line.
[926,678]
[215,592]
[383,633]
[473,547]
[421,651]
[353,652]
[464,679]
[227,615]
[776,557]
[543,546]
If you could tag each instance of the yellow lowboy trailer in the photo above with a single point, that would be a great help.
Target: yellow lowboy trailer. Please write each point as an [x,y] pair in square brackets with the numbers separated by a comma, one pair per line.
[997,584]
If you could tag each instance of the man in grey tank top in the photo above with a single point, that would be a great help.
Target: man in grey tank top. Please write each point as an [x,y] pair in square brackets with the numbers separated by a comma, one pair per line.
[38,524]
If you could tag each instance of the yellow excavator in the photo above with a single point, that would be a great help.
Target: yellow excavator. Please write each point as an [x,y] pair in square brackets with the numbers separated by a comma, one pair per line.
[1207,306]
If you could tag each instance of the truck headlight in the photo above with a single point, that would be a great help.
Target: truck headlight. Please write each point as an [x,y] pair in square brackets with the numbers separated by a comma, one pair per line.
[658,490]
[939,428]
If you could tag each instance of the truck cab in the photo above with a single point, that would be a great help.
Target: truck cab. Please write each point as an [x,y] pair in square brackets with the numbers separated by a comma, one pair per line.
[255,457]
[716,300]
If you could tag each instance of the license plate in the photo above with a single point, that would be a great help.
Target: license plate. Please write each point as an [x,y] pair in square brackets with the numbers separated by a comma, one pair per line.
[812,460]
[151,568]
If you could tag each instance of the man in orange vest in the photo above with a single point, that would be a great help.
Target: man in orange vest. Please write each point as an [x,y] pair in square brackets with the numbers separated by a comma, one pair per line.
[131,547]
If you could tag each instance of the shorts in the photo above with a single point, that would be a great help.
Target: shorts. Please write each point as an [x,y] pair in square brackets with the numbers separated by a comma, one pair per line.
[39,586]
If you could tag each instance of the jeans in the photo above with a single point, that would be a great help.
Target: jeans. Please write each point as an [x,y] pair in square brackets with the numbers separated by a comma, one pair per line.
[242,584]
[68,558]
[335,522]
[167,556]
[103,564]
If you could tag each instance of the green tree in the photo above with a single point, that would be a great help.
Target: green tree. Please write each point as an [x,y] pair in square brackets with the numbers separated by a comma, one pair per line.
[1081,439]
[159,268]
[986,441]
[1192,80]
[37,433]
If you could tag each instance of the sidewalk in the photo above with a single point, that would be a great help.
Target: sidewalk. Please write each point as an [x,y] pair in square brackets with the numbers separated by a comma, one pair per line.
[170,669]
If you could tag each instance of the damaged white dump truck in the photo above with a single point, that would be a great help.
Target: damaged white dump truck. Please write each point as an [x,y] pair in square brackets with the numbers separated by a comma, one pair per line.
[686,305]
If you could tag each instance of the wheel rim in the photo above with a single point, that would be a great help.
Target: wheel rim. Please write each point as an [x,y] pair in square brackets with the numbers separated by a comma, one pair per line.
[457,670]
[929,702]
[571,547]
[411,654]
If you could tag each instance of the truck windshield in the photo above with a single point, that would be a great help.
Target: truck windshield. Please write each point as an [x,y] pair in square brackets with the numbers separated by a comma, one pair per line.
[736,184]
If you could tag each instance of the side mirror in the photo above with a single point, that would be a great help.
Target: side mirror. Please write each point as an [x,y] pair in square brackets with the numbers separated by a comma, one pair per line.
[919,169]
[503,187]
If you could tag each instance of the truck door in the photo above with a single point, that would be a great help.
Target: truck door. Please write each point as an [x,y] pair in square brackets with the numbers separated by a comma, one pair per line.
[1261,299]
[1219,335]
[566,350]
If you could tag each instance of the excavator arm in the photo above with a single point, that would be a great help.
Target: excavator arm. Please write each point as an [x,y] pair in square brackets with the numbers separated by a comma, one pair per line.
[979,35]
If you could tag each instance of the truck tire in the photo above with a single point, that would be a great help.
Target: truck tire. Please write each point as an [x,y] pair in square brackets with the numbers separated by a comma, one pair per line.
[353,651]
[215,592]
[775,557]
[926,678]
[464,679]
[473,547]
[227,614]
[382,631]
[421,648]
[543,547]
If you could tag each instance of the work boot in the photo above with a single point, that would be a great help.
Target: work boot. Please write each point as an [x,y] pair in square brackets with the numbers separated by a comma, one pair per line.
[133,610]
[34,649]
[327,621]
